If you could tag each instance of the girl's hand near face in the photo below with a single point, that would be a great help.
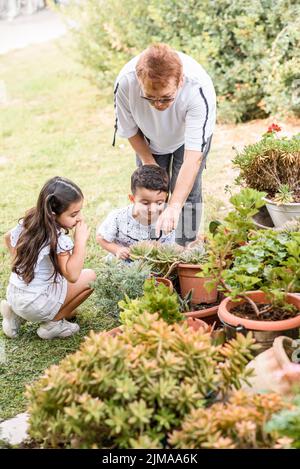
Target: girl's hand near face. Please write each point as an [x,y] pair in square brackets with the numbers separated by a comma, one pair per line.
[82,232]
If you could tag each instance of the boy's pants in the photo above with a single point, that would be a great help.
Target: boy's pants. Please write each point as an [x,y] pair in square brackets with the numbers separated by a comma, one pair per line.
[190,217]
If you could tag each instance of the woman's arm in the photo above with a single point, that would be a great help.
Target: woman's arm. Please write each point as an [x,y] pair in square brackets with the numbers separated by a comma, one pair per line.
[141,148]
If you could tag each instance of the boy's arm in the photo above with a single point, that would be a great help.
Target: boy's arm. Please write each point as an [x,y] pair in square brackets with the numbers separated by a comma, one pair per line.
[7,243]
[120,252]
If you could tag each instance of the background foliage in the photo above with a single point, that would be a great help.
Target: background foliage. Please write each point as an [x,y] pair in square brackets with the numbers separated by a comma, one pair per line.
[250,49]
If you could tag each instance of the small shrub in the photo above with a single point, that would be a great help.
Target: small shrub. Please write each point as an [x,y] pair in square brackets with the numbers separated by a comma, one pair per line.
[272,165]
[156,299]
[115,280]
[133,389]
[287,422]
[237,424]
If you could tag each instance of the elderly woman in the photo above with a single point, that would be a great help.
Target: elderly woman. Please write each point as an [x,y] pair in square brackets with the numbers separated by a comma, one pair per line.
[165,105]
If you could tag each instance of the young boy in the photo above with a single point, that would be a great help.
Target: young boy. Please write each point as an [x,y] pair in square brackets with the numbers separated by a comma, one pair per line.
[136,222]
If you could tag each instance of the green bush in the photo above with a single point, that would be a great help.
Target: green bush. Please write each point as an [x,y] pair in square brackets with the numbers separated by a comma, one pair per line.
[268,262]
[156,299]
[287,423]
[117,280]
[250,49]
[132,390]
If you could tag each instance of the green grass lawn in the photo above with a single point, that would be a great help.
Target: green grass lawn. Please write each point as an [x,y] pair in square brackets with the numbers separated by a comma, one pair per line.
[56,123]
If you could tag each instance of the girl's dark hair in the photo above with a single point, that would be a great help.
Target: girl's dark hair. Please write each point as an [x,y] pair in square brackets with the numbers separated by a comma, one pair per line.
[40,227]
[150,176]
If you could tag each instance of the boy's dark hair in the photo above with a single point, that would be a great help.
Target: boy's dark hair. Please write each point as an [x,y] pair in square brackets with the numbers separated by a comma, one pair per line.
[150,177]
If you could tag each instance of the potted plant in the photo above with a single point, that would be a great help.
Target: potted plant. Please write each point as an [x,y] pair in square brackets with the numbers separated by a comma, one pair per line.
[268,261]
[273,165]
[249,313]
[134,389]
[156,299]
[161,259]
[203,311]
[190,264]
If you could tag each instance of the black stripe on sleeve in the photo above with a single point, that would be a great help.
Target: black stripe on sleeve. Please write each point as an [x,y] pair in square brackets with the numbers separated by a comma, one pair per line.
[206,118]
[116,120]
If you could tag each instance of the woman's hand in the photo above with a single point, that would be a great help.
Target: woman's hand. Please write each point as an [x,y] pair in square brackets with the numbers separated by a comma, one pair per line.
[168,220]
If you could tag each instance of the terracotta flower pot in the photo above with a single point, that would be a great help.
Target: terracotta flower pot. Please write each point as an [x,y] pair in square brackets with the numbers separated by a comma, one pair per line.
[197,324]
[167,282]
[209,315]
[115,331]
[188,281]
[264,331]
[273,370]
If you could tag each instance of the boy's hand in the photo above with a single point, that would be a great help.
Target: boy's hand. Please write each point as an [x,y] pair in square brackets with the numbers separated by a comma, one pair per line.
[82,232]
[123,253]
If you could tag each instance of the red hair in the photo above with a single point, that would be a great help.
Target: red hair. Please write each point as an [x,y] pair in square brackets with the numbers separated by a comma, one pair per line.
[158,63]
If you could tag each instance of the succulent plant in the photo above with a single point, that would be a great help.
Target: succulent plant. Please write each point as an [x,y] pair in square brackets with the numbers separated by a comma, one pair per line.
[134,389]
[284,195]
[237,424]
[290,226]
[156,299]
[161,258]
[196,255]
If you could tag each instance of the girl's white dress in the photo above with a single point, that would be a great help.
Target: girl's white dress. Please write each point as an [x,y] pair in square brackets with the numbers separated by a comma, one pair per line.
[42,298]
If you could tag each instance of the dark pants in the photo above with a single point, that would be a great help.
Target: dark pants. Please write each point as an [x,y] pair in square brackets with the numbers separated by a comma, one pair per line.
[190,217]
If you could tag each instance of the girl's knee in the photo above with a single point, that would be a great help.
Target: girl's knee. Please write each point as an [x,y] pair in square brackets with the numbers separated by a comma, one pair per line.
[89,275]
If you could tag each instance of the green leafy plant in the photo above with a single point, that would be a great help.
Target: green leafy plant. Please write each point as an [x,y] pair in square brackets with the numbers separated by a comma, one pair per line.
[287,423]
[272,165]
[115,280]
[241,259]
[228,236]
[163,259]
[236,424]
[185,303]
[268,262]
[156,299]
[134,389]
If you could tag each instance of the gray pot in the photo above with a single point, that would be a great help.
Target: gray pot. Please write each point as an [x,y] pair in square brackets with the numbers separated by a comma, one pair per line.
[280,214]
[262,219]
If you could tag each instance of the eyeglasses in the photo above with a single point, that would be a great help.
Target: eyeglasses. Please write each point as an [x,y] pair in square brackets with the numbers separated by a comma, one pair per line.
[159,100]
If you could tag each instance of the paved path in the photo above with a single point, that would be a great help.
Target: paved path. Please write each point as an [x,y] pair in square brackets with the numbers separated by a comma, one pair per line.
[23,31]
[14,430]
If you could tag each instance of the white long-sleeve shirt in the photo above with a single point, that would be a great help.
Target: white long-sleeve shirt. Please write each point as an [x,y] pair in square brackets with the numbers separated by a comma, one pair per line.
[190,119]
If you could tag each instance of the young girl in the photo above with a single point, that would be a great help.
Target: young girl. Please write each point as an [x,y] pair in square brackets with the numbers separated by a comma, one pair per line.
[47,281]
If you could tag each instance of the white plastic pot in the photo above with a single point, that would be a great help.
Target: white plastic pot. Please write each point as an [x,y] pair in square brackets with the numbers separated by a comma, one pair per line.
[280,214]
